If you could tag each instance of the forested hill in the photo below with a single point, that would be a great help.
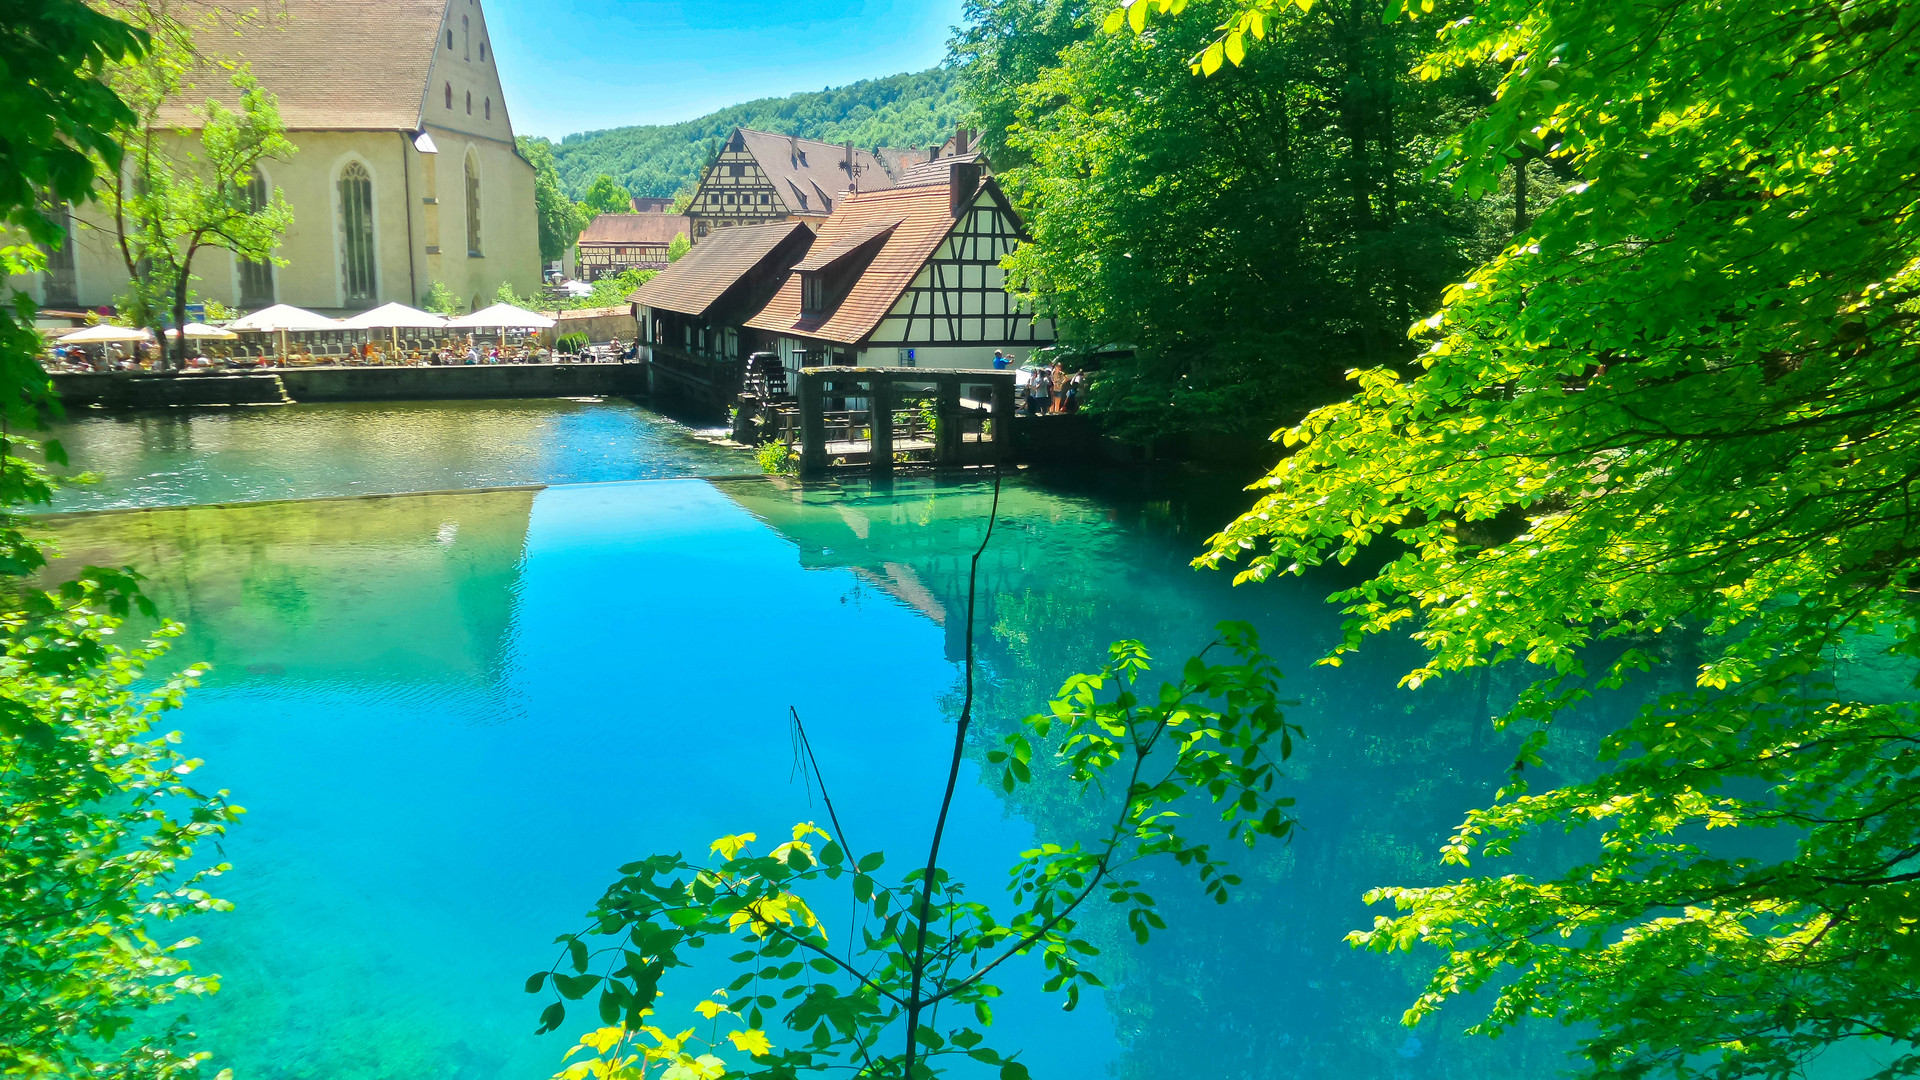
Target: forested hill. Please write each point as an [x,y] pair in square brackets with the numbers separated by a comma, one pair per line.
[912,109]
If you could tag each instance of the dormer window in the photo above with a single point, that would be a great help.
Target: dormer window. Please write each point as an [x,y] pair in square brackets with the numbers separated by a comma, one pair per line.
[813,294]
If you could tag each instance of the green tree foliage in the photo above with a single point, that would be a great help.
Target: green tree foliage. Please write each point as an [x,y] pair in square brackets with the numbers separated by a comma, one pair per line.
[442,300]
[915,109]
[1000,50]
[1672,431]
[100,826]
[677,247]
[181,195]
[870,1003]
[97,822]
[561,219]
[606,196]
[167,210]
[60,122]
[1249,237]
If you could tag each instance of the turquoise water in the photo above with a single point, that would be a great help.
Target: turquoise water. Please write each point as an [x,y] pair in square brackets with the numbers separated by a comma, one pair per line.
[452,716]
[171,457]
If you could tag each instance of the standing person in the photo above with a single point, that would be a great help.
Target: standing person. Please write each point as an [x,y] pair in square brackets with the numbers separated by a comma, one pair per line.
[1057,378]
[473,351]
[999,360]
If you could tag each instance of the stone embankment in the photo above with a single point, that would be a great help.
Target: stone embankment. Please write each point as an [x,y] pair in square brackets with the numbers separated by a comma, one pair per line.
[279,386]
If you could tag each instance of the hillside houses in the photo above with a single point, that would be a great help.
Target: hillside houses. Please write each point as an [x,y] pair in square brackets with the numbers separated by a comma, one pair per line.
[613,243]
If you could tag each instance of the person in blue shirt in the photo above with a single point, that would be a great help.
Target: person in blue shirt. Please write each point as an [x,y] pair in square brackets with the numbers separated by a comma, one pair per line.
[1000,360]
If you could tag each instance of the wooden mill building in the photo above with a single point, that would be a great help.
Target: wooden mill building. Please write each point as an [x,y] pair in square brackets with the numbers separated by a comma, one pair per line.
[909,276]
[759,177]
[695,309]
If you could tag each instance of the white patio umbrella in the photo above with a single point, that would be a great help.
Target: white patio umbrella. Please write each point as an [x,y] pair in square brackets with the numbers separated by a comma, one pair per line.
[104,334]
[393,318]
[204,332]
[501,317]
[282,318]
[395,315]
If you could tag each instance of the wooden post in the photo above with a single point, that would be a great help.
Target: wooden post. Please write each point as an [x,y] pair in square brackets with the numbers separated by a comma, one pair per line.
[813,422]
[880,421]
[946,411]
[1003,391]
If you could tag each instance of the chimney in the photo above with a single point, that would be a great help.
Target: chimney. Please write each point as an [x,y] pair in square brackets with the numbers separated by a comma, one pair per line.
[960,140]
[852,183]
[964,183]
[933,152]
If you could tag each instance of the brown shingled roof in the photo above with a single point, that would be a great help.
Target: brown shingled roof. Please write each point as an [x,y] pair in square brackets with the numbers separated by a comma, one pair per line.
[925,217]
[634,229]
[937,171]
[813,171]
[334,64]
[703,275]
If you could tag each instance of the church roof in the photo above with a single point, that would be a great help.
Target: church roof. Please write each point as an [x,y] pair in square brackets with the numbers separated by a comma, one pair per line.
[634,229]
[335,65]
[810,175]
[716,264]
[909,223]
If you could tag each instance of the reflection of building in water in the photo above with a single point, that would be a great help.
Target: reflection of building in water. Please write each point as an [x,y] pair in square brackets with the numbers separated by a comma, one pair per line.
[919,550]
[319,589]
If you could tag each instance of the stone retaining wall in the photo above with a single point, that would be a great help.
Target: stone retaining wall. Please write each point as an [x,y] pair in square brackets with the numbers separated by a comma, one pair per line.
[283,385]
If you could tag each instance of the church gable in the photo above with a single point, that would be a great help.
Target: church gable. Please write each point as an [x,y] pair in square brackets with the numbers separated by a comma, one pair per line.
[463,91]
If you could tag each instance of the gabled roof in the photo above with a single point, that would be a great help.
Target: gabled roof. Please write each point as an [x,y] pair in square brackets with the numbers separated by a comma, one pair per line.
[924,216]
[814,173]
[337,65]
[825,255]
[703,275]
[634,229]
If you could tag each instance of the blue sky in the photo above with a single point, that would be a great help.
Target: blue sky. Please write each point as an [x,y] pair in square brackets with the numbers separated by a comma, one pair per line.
[578,65]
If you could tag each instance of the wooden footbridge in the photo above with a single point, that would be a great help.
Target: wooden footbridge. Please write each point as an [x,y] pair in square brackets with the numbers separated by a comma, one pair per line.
[882,417]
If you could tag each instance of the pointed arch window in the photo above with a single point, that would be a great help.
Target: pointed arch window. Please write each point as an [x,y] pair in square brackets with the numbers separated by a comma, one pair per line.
[489,108]
[356,235]
[473,210]
[60,287]
[256,278]
[469,103]
[449,95]
[466,39]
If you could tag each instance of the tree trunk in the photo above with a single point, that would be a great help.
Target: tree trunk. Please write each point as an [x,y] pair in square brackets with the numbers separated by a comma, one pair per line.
[1520,219]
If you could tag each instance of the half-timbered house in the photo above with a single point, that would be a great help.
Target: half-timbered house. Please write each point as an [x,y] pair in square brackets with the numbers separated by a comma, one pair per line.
[759,176]
[616,242]
[908,276]
[697,307]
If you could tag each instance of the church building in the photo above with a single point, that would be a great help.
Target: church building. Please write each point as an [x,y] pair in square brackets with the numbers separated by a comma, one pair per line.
[406,173]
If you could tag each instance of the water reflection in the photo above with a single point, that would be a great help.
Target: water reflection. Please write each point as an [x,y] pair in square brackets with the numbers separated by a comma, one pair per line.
[167,457]
[452,716]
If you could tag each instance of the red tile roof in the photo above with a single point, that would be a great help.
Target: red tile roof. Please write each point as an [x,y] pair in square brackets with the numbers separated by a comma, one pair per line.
[337,65]
[634,229]
[924,218]
[716,264]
